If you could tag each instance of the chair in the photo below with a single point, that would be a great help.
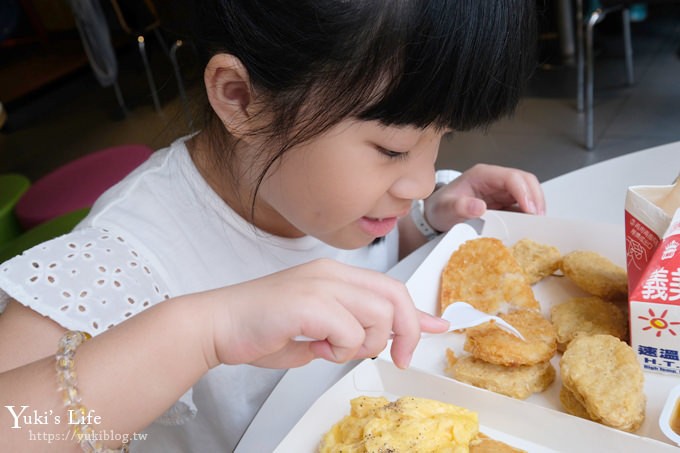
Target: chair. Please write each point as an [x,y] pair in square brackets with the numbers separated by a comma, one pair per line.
[77,184]
[41,233]
[137,18]
[12,187]
[94,34]
[585,59]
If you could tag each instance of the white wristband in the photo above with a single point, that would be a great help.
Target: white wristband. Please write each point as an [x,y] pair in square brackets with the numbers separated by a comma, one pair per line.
[418,216]
[442,177]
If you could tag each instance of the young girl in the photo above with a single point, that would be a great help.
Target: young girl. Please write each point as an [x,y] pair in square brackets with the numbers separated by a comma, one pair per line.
[195,275]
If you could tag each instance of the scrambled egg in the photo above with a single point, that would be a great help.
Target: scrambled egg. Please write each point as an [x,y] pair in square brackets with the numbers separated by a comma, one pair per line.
[409,424]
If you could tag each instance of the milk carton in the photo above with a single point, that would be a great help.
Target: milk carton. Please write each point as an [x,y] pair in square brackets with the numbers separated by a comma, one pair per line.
[653,263]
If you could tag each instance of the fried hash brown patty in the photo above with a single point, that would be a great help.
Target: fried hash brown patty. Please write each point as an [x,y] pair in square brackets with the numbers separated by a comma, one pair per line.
[517,381]
[571,404]
[603,375]
[596,274]
[485,444]
[537,260]
[490,343]
[587,316]
[483,273]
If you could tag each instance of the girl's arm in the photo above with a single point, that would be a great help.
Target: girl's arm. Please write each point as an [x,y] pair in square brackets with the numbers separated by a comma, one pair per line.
[130,374]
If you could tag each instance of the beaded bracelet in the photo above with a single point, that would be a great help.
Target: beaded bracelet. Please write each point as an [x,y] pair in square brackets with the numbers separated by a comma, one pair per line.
[66,380]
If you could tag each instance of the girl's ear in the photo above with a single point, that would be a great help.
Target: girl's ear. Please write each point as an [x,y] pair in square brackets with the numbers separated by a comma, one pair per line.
[229,92]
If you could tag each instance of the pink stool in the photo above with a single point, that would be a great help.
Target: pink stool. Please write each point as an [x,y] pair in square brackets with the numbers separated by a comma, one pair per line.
[77,184]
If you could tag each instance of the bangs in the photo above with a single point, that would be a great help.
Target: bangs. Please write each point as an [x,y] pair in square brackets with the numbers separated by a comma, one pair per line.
[458,64]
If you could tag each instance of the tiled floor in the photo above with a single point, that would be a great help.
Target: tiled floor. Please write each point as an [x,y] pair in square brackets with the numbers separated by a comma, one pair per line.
[544,136]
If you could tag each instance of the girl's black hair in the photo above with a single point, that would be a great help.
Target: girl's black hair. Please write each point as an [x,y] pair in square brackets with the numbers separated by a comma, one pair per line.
[456,64]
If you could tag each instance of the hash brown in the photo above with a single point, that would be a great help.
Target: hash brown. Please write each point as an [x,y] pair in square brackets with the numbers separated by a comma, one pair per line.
[490,343]
[587,316]
[483,273]
[604,376]
[517,382]
[536,260]
[595,274]
[571,404]
[485,444]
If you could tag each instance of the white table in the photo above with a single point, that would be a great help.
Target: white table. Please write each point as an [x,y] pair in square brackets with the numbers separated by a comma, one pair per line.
[598,192]
[595,193]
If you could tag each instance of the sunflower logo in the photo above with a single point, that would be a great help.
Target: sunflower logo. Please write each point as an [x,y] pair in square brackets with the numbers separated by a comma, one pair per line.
[660,323]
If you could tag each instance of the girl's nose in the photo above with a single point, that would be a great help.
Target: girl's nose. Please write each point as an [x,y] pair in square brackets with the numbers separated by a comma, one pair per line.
[418,178]
[416,183]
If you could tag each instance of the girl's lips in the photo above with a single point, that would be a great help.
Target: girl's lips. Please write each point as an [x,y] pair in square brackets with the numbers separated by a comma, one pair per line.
[377,227]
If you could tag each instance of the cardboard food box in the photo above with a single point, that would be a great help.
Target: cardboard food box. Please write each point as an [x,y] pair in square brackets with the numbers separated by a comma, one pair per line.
[537,424]
[517,423]
[653,263]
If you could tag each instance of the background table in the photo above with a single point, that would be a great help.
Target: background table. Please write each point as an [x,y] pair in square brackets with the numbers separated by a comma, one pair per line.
[595,193]
[598,192]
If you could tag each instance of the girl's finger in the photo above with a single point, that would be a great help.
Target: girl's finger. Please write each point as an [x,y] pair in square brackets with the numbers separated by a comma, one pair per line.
[536,193]
[355,322]
[452,210]
[518,190]
[405,325]
[432,324]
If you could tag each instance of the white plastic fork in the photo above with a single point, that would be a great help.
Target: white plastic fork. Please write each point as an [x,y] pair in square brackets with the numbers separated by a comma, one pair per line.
[460,315]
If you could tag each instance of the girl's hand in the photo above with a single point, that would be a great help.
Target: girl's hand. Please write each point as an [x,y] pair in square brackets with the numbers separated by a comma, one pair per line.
[481,187]
[352,312]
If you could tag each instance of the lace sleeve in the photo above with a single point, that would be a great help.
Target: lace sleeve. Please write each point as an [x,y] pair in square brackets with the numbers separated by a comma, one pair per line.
[89,280]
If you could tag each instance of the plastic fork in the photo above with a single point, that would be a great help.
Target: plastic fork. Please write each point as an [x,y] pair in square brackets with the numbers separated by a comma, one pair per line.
[461,315]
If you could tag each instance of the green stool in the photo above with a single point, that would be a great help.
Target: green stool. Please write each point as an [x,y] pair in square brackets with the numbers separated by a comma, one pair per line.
[41,233]
[12,187]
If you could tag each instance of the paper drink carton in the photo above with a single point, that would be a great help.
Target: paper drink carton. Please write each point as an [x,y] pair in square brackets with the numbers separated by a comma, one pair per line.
[653,262]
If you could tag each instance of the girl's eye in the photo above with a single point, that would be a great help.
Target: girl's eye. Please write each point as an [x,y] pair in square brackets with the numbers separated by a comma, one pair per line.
[393,154]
